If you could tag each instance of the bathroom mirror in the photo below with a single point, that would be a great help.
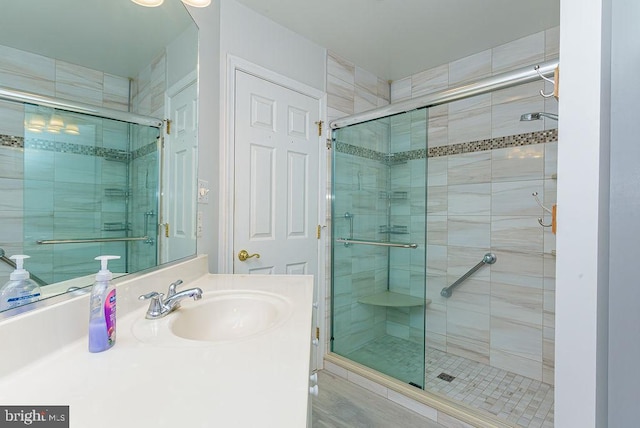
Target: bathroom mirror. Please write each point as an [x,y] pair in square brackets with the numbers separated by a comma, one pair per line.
[79,185]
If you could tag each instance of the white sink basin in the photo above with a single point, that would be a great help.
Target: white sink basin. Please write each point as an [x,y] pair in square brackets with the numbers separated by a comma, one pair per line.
[226,316]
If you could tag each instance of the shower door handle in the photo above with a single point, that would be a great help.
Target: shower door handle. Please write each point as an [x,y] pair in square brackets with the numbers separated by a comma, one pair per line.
[243,255]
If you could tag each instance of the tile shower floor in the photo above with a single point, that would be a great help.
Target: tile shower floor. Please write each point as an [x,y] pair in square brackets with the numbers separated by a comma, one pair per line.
[517,399]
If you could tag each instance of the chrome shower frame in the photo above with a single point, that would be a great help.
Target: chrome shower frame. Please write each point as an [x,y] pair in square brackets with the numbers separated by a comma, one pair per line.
[482,86]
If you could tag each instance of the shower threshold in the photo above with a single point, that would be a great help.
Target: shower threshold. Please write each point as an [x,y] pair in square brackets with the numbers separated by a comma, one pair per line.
[511,398]
[393,300]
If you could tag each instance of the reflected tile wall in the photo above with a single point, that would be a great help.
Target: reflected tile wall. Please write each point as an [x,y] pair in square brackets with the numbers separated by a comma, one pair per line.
[34,73]
[148,89]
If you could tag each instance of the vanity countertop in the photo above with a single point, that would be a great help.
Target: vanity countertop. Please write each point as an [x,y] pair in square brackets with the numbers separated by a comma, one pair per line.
[258,381]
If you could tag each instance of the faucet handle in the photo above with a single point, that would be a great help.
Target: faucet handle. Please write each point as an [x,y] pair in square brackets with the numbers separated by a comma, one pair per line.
[172,287]
[155,306]
[152,295]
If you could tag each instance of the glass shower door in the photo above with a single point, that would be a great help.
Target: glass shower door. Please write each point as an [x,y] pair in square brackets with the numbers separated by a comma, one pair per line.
[378,257]
[88,182]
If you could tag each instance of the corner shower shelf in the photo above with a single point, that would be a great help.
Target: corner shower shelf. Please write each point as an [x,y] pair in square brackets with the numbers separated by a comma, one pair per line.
[393,195]
[393,300]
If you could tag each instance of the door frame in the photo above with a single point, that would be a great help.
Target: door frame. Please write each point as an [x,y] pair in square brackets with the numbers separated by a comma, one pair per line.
[227,171]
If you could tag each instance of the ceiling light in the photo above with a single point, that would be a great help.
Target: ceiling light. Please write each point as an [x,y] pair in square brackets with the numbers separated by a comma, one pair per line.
[72,129]
[148,3]
[56,122]
[197,3]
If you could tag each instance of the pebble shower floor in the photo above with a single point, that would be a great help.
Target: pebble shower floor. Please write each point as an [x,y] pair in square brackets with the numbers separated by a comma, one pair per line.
[509,396]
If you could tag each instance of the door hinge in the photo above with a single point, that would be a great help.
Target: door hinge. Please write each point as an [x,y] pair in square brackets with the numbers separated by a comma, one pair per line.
[329,143]
[168,125]
[318,333]
[318,229]
[319,123]
[556,83]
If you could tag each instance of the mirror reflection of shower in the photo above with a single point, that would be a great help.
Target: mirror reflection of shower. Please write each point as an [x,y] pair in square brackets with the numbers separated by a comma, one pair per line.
[537,116]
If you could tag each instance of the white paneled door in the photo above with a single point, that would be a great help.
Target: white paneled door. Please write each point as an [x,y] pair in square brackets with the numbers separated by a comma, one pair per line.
[276,179]
[180,164]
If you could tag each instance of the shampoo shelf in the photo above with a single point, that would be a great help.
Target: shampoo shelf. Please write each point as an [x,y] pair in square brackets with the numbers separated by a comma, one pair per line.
[394,229]
[116,193]
[393,195]
[393,300]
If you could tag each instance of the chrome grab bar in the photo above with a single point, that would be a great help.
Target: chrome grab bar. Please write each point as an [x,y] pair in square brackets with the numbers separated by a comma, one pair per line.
[349,217]
[347,242]
[488,259]
[84,241]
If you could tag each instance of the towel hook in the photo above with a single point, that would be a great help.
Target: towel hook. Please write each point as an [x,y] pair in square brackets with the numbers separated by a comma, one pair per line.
[537,69]
[535,195]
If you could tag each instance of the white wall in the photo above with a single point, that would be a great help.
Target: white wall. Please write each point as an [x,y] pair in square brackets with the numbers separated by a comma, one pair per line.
[182,53]
[624,292]
[228,28]
[583,198]
[208,21]
[250,36]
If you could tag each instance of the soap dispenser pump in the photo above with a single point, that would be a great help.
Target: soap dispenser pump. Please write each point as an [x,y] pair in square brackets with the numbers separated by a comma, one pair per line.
[102,316]
[20,289]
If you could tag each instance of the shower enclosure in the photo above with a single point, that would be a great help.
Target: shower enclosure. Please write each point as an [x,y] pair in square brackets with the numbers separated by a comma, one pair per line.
[379,265]
[91,187]
[442,261]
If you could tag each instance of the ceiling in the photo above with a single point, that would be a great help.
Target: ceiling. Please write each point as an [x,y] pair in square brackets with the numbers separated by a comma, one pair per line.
[115,36]
[397,38]
[391,38]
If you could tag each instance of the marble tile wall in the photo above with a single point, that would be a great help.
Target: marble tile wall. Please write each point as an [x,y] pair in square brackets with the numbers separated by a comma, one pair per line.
[358,269]
[46,76]
[407,266]
[480,200]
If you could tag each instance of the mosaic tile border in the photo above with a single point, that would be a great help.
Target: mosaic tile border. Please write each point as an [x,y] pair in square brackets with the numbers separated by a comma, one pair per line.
[145,150]
[540,137]
[78,149]
[360,152]
[11,141]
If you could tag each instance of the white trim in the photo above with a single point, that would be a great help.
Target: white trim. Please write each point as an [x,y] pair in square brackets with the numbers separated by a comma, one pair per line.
[227,170]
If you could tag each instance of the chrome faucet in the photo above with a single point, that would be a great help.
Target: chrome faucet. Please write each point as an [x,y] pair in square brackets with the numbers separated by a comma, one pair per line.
[160,307]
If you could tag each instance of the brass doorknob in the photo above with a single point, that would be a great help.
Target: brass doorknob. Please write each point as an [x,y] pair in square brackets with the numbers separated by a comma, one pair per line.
[243,255]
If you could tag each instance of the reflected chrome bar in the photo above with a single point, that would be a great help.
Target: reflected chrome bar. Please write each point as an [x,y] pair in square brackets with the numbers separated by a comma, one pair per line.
[84,241]
[482,86]
[488,259]
[76,107]
[378,243]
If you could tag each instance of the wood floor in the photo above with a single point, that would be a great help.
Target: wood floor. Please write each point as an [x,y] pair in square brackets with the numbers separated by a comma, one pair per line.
[342,404]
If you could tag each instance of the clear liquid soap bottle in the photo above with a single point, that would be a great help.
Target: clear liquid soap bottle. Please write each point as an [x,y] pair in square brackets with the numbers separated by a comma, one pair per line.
[20,289]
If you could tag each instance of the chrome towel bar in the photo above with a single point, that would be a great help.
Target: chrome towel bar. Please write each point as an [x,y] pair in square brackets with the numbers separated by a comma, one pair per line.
[84,241]
[488,259]
[347,242]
